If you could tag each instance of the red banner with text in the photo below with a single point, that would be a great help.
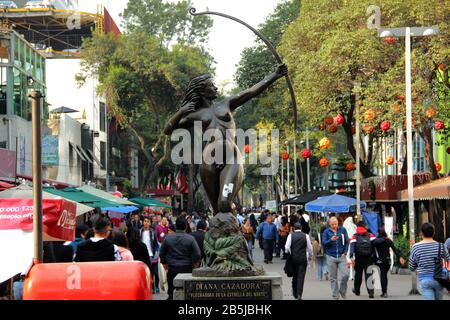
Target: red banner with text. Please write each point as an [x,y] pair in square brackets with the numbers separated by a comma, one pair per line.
[58,221]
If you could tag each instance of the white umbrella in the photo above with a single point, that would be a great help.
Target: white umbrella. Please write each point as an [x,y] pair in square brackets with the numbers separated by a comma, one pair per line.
[26,192]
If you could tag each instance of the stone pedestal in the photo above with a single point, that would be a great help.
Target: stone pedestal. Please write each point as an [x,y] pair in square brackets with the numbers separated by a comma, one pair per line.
[262,287]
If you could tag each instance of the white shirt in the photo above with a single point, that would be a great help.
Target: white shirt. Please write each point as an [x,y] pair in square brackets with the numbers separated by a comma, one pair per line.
[117,256]
[277,223]
[146,239]
[309,247]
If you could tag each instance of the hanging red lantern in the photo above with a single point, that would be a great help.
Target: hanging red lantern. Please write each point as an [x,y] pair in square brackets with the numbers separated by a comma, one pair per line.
[439,125]
[339,120]
[368,128]
[324,143]
[285,155]
[350,166]
[370,114]
[324,162]
[322,126]
[332,129]
[329,120]
[247,148]
[305,153]
[353,130]
[385,125]
[431,113]
[400,98]
[438,166]
[390,40]
[390,160]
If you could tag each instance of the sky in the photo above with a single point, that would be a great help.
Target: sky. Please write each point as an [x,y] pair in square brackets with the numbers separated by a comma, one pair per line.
[227,38]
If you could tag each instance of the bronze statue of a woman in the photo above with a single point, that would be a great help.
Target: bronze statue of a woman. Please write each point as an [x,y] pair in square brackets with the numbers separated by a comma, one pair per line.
[222,181]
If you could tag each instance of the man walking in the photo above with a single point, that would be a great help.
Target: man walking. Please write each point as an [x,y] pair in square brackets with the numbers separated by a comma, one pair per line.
[98,248]
[361,253]
[199,236]
[179,254]
[148,237]
[269,234]
[335,242]
[298,244]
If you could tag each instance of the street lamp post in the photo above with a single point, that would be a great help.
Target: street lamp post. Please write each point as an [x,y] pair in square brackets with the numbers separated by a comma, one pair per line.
[409,32]
[308,178]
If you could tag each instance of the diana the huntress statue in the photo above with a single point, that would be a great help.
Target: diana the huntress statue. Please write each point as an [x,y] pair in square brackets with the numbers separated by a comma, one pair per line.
[225,248]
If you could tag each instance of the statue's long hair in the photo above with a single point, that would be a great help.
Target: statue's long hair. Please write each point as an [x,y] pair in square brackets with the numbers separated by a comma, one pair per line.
[194,90]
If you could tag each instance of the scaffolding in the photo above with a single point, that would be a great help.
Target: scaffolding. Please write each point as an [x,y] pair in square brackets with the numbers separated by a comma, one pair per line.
[54,33]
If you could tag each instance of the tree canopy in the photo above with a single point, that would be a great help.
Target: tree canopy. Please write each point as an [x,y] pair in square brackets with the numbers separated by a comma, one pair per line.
[143,72]
[329,49]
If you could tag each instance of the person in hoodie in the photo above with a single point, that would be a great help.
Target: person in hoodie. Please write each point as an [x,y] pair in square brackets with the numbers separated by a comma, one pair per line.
[335,242]
[98,248]
[381,246]
[361,255]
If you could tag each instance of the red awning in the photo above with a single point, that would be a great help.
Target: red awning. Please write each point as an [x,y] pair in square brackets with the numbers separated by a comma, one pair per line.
[5,185]
[437,189]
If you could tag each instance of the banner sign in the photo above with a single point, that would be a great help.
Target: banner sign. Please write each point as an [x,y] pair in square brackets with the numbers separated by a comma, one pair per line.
[59,216]
[50,150]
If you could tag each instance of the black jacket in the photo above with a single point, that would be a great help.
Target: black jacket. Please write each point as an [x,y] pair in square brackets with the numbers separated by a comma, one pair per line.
[199,237]
[179,249]
[140,253]
[88,251]
[153,239]
[382,245]
[62,253]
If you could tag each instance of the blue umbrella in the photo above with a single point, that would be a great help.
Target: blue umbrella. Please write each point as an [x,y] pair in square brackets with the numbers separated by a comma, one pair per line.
[334,203]
[124,209]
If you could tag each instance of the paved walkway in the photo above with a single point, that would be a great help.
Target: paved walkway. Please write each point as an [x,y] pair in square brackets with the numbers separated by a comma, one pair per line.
[398,289]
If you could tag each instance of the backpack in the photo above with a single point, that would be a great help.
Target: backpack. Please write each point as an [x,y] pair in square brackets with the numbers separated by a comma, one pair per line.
[363,246]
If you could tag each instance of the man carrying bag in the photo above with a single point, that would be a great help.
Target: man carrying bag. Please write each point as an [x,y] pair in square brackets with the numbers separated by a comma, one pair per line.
[299,248]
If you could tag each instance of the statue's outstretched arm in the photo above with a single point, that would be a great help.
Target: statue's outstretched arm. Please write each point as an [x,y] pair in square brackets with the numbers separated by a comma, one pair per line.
[257,89]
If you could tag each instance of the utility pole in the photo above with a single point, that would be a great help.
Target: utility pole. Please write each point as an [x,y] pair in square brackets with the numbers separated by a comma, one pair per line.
[37,176]
[407,33]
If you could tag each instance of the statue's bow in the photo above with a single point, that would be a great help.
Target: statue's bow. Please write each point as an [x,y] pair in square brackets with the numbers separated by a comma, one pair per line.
[192,11]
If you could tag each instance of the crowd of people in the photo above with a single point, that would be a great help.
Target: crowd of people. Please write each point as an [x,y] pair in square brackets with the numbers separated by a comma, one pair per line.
[171,246]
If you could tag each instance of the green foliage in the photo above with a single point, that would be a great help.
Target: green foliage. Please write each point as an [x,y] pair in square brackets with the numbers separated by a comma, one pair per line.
[402,244]
[143,72]
[329,49]
[270,109]
[167,21]
[222,253]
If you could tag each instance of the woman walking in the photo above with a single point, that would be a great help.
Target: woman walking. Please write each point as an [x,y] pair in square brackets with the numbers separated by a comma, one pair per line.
[381,247]
[249,235]
[422,259]
[284,232]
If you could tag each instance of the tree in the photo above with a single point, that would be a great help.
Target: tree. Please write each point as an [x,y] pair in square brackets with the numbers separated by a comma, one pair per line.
[268,110]
[330,50]
[143,77]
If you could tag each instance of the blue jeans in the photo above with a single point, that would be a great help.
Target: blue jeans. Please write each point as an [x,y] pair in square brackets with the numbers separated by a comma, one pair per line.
[430,288]
[18,289]
[321,267]
[336,267]
[250,248]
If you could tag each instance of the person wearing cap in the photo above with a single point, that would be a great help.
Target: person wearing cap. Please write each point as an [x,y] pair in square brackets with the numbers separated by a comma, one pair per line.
[298,245]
